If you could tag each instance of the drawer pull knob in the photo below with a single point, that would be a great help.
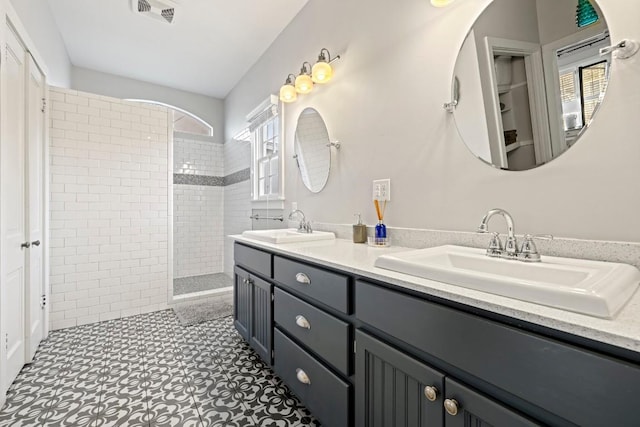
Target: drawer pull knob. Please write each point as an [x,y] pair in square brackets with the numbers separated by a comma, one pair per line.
[302,376]
[451,406]
[303,278]
[431,393]
[302,322]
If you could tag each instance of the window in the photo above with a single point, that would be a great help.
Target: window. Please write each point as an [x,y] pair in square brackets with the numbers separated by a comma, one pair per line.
[264,125]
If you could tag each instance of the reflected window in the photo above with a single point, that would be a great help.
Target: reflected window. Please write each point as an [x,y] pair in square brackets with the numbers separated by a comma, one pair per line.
[593,84]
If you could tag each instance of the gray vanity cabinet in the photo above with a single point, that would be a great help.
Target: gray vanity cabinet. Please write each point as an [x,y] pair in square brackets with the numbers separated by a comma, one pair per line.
[392,388]
[242,302]
[469,408]
[420,361]
[253,295]
[253,311]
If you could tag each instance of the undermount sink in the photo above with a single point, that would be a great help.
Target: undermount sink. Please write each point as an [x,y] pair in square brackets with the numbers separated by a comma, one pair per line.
[287,235]
[595,288]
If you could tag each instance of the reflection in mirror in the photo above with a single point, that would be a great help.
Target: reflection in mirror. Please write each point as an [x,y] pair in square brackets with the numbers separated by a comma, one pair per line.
[312,150]
[530,81]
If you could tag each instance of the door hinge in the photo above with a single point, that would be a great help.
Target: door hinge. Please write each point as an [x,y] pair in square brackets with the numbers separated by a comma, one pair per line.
[6,342]
[44,104]
[43,302]
[354,347]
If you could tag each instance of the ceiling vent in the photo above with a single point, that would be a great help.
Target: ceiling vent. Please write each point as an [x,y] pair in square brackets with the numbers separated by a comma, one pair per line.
[160,10]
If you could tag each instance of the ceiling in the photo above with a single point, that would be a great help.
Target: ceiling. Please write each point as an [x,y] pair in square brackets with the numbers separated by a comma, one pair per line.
[208,48]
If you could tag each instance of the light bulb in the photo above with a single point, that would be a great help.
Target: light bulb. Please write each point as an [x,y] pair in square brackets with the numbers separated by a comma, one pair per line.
[441,3]
[288,93]
[304,84]
[322,72]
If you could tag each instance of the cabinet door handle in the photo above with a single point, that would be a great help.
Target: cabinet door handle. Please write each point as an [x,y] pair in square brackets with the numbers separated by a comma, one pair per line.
[431,393]
[36,243]
[451,406]
[302,376]
[302,322]
[303,278]
[25,245]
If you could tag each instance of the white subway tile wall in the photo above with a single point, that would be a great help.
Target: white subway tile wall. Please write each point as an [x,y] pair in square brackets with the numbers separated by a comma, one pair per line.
[108,208]
[198,212]
[237,197]
[197,157]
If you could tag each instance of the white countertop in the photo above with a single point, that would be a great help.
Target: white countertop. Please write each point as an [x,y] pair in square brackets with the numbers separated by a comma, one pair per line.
[622,331]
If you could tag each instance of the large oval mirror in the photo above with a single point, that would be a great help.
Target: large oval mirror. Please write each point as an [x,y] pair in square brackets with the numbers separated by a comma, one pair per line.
[312,150]
[529,80]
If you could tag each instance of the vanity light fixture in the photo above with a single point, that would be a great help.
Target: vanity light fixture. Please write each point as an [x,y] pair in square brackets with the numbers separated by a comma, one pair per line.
[322,71]
[288,90]
[441,3]
[585,14]
[304,84]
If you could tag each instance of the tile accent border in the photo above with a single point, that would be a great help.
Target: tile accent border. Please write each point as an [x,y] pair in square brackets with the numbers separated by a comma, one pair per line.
[212,181]
[236,177]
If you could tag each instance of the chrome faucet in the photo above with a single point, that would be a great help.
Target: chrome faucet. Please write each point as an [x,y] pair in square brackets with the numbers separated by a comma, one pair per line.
[304,226]
[495,249]
[528,252]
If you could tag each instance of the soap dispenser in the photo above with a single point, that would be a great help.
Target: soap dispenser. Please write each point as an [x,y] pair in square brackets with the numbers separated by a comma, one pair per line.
[359,231]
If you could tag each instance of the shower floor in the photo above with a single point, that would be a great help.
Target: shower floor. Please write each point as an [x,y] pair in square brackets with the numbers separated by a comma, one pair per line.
[205,282]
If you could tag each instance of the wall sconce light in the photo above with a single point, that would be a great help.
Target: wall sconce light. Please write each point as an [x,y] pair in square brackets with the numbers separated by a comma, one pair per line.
[288,90]
[322,71]
[441,3]
[304,84]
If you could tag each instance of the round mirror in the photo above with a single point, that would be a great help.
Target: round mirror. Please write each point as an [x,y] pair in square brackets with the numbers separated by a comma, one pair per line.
[529,79]
[312,150]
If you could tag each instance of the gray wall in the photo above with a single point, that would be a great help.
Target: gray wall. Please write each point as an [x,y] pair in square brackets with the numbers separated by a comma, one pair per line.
[207,108]
[385,106]
[38,20]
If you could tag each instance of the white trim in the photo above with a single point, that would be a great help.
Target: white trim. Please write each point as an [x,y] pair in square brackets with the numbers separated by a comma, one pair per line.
[3,353]
[11,16]
[47,215]
[537,97]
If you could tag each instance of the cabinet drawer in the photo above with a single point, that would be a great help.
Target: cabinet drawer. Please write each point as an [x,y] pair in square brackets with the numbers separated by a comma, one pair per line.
[583,387]
[326,335]
[325,286]
[253,259]
[326,395]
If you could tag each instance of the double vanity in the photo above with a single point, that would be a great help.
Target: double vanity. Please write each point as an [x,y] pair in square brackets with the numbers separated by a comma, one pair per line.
[374,337]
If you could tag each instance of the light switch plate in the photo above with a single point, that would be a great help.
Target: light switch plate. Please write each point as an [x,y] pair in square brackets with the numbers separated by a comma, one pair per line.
[382,189]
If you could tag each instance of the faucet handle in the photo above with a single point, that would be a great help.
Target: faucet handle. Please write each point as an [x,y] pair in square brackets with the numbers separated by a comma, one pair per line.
[495,246]
[528,250]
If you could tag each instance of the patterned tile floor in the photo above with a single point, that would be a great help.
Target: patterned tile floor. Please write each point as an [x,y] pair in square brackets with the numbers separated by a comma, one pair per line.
[205,282]
[148,370]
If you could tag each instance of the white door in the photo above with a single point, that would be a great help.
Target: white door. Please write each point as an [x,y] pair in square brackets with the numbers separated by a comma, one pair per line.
[35,315]
[12,215]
